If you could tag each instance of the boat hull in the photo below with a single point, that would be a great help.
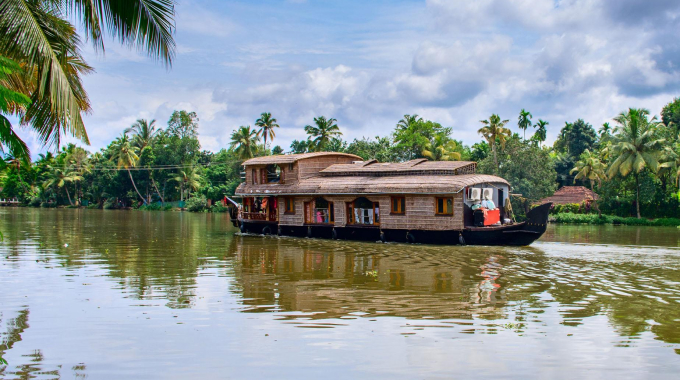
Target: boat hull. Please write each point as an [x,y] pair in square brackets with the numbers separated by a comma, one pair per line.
[518,234]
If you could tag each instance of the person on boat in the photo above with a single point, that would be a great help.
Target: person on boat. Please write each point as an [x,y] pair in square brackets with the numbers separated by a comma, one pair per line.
[488,204]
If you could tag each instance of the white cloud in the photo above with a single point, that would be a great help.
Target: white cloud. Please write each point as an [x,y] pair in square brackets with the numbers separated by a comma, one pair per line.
[455,62]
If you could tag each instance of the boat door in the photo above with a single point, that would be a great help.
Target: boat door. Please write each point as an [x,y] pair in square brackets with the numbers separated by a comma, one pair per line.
[501,204]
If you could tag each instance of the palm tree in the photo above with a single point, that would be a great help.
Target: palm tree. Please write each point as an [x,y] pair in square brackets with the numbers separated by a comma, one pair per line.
[125,156]
[524,121]
[604,130]
[10,103]
[542,132]
[244,142]
[59,177]
[494,131]
[589,167]
[635,147]
[188,179]
[37,35]
[408,120]
[442,149]
[321,134]
[267,124]
[144,133]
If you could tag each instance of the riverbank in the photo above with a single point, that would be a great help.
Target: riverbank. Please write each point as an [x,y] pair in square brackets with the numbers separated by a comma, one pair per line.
[571,218]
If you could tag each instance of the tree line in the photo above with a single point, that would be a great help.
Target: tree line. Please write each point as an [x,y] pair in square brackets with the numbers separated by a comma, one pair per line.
[633,162]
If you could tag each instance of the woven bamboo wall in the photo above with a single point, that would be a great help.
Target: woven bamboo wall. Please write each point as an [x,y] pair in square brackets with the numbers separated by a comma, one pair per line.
[420,212]
[310,167]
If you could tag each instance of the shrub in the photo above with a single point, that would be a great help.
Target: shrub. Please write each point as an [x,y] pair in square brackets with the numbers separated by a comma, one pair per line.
[93,206]
[35,202]
[167,208]
[48,204]
[572,218]
[219,207]
[151,207]
[197,204]
[110,204]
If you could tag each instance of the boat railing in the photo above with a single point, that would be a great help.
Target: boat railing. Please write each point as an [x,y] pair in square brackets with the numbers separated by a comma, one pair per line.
[259,216]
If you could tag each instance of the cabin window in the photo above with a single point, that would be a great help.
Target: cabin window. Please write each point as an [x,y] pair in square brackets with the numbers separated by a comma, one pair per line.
[290,205]
[444,206]
[253,176]
[319,211]
[398,205]
[290,167]
[363,211]
[274,174]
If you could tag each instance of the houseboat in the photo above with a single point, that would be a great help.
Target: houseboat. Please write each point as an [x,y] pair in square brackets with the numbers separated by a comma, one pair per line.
[341,196]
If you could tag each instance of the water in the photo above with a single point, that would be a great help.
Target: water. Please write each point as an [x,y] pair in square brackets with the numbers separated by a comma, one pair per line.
[127,294]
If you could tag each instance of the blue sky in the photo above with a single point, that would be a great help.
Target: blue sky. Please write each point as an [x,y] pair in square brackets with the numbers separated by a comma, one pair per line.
[367,63]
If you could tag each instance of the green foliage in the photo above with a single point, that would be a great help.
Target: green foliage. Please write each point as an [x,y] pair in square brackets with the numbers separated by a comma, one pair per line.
[183,124]
[608,219]
[111,204]
[573,208]
[413,135]
[219,207]
[670,115]
[527,167]
[197,204]
[321,133]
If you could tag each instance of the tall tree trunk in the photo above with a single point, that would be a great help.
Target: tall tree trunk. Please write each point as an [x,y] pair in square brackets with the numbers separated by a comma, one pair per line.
[265,142]
[495,158]
[156,187]
[68,195]
[135,186]
[637,193]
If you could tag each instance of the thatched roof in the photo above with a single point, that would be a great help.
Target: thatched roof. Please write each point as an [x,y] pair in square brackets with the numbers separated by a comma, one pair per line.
[418,166]
[571,194]
[399,184]
[290,158]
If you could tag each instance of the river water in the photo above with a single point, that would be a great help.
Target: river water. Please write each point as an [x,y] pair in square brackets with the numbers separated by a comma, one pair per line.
[168,295]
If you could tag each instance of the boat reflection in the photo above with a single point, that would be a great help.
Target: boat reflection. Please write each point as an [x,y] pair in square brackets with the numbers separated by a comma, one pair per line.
[336,279]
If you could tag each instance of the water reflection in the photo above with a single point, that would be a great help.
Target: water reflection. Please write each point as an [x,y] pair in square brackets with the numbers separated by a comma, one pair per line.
[176,261]
[312,279]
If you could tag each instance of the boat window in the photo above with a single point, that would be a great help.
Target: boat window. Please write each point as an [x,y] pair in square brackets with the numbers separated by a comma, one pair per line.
[274,174]
[319,211]
[398,205]
[363,211]
[290,205]
[444,206]
[253,176]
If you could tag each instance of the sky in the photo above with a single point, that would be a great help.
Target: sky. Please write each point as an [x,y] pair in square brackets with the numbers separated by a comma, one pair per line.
[367,63]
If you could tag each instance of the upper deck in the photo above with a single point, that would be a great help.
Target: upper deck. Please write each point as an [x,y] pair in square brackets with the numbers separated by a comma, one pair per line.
[341,173]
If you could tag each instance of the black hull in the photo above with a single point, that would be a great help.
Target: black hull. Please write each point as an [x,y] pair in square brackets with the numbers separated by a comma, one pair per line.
[520,234]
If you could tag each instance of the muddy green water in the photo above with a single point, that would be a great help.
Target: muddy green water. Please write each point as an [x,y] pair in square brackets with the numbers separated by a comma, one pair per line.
[151,295]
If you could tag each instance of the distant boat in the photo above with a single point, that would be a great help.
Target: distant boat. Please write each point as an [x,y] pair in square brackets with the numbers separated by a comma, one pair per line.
[340,196]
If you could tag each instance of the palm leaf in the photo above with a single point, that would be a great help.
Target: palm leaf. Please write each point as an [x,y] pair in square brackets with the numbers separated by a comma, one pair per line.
[147,24]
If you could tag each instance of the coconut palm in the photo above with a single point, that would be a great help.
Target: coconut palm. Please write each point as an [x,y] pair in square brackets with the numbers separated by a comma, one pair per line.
[635,147]
[322,133]
[524,121]
[244,142]
[10,103]
[605,129]
[59,177]
[36,34]
[494,132]
[442,149]
[189,179]
[125,156]
[267,124]
[143,132]
[408,120]
[590,168]
[541,131]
